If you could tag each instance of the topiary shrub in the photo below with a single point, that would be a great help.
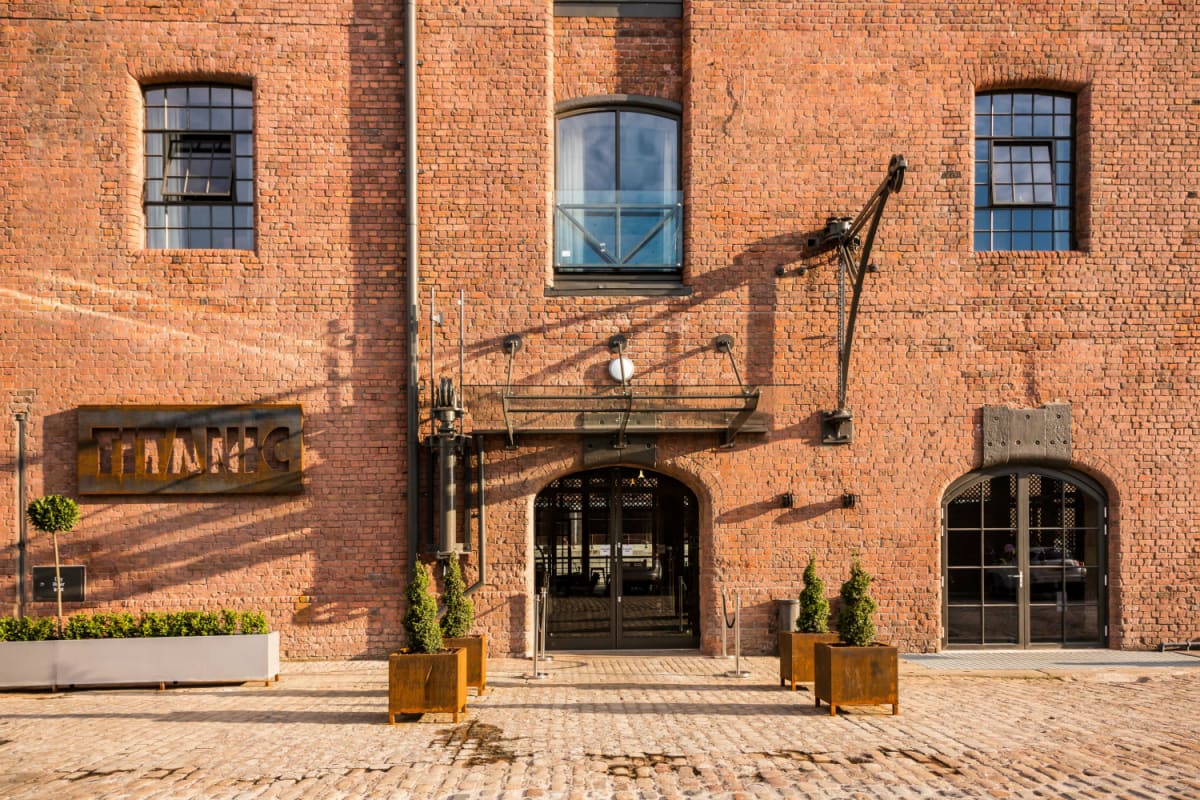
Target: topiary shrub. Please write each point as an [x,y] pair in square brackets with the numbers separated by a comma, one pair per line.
[856,623]
[420,621]
[814,606]
[54,514]
[460,611]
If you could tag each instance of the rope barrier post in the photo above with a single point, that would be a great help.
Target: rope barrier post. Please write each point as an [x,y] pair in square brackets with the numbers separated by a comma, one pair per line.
[539,633]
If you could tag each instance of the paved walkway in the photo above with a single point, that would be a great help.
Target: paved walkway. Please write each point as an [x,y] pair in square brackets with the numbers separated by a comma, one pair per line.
[667,725]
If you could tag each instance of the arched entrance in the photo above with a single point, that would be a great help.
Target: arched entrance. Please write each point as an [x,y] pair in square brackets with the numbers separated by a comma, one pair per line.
[618,550]
[1023,560]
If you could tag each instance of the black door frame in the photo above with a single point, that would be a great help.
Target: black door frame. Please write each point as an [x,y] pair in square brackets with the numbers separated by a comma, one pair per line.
[615,483]
[1022,472]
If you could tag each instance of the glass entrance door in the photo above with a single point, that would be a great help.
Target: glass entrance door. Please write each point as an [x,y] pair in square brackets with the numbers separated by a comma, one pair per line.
[616,550]
[1024,560]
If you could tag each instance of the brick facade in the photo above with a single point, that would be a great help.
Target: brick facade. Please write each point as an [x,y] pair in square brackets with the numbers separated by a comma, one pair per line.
[790,114]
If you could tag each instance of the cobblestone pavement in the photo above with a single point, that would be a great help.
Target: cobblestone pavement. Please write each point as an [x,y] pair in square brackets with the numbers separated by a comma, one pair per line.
[667,725]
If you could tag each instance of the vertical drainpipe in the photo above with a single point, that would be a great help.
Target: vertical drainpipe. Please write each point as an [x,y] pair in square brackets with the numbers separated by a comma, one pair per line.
[22,522]
[481,505]
[410,193]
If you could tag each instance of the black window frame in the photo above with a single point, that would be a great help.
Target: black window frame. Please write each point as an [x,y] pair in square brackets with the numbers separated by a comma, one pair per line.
[1011,221]
[191,217]
[666,9]
[631,280]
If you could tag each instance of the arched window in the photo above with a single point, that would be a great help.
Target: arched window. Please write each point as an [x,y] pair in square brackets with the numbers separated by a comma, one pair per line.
[618,208]
[1024,559]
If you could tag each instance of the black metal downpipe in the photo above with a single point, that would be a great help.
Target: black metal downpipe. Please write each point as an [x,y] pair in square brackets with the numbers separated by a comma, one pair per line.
[22,520]
[481,507]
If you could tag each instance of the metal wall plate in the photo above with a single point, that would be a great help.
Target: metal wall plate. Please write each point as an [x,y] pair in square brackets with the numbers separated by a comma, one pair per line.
[1012,435]
[598,451]
[74,578]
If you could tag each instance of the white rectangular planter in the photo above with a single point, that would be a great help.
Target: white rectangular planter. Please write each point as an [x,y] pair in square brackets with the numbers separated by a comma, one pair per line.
[160,660]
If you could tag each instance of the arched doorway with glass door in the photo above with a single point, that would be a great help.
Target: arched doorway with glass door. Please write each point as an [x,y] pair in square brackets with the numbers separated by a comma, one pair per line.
[617,550]
[1023,560]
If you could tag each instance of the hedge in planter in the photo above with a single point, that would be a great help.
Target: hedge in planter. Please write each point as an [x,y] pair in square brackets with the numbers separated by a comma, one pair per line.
[796,649]
[456,625]
[425,677]
[157,648]
[857,670]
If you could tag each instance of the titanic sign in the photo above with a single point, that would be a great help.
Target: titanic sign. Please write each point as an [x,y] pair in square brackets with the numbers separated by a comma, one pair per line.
[134,450]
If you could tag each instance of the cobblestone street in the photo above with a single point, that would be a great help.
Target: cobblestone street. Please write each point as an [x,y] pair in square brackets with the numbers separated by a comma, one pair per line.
[666,725]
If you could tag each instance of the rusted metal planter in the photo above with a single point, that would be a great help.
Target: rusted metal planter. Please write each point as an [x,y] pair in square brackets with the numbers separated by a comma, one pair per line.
[476,647]
[424,683]
[796,656]
[846,675]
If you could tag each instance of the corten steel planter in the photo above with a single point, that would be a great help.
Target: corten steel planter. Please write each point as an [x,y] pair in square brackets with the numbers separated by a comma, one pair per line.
[846,675]
[796,656]
[424,683]
[476,647]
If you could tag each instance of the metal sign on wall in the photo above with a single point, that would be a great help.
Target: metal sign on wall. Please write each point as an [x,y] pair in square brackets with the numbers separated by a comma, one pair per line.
[74,578]
[137,450]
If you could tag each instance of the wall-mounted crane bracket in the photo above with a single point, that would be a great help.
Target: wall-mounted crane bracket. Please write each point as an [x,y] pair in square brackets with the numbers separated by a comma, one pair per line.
[854,262]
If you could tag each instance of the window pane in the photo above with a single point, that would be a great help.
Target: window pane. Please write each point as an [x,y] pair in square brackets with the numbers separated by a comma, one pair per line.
[964,625]
[963,549]
[1000,625]
[963,586]
[587,152]
[648,153]
[243,239]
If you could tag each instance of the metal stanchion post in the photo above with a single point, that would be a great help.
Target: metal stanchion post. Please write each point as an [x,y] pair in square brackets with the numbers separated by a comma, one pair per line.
[539,633]
[737,672]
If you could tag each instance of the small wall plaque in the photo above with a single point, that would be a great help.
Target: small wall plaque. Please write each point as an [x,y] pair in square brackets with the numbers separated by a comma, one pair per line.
[74,577]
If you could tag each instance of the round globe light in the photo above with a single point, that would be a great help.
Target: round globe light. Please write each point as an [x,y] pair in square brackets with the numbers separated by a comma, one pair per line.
[619,367]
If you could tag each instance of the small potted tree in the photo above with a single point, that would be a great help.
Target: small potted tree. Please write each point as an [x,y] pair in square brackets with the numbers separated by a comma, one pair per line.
[796,648]
[54,514]
[456,625]
[425,677]
[857,670]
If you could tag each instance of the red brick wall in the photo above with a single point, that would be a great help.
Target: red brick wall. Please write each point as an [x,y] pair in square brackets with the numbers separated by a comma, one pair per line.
[314,316]
[791,112]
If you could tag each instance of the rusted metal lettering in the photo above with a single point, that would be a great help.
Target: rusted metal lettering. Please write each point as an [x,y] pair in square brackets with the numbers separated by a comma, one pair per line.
[133,450]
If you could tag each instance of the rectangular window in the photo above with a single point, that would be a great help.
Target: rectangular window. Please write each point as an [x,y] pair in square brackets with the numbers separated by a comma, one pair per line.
[619,8]
[199,190]
[1024,164]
